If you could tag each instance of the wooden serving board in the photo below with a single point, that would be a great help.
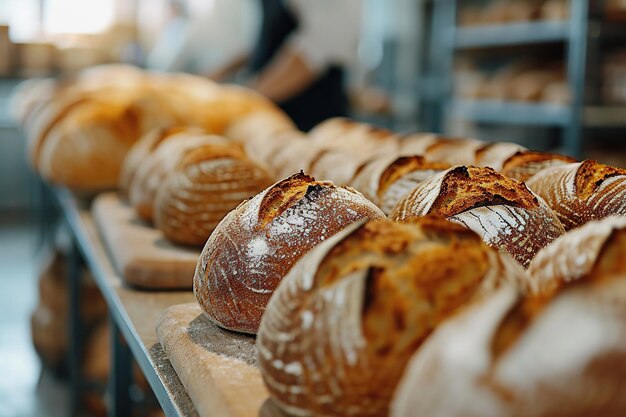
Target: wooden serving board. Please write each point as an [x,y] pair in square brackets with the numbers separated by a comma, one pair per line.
[140,253]
[217,367]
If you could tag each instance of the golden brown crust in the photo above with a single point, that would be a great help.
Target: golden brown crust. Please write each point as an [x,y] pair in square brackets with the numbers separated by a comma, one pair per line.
[464,188]
[525,164]
[402,166]
[453,151]
[590,176]
[353,311]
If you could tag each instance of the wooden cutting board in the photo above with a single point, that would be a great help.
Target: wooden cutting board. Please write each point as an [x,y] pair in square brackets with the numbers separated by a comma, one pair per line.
[217,367]
[140,253]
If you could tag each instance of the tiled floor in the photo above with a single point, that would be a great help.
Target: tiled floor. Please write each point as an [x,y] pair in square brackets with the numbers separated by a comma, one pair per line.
[24,390]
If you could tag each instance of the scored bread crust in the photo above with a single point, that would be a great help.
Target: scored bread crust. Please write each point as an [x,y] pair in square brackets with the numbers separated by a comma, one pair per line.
[582,191]
[155,167]
[209,182]
[453,151]
[340,328]
[524,164]
[495,154]
[147,144]
[255,245]
[517,351]
[504,212]
[385,180]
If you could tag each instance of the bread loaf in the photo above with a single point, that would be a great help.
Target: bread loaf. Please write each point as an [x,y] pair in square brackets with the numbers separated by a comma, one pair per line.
[357,138]
[557,353]
[495,154]
[155,167]
[523,165]
[209,181]
[387,179]
[504,212]
[338,166]
[256,244]
[144,147]
[294,155]
[342,325]
[261,125]
[582,191]
[453,151]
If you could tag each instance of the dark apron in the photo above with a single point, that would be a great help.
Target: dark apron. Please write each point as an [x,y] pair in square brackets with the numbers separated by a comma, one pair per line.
[325,98]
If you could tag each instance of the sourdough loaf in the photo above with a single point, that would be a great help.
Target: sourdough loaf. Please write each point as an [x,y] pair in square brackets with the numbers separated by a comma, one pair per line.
[144,147]
[453,151]
[560,352]
[523,165]
[386,180]
[338,166]
[209,181]
[503,211]
[582,191]
[256,244]
[342,325]
[155,167]
[496,153]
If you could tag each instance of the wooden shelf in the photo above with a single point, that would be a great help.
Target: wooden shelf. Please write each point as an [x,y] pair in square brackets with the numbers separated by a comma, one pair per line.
[511,34]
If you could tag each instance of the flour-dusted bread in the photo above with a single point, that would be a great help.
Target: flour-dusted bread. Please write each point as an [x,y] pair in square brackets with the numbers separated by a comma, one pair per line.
[582,191]
[344,322]
[453,151]
[503,211]
[523,165]
[496,153]
[386,180]
[155,167]
[560,352]
[209,182]
[256,244]
[144,147]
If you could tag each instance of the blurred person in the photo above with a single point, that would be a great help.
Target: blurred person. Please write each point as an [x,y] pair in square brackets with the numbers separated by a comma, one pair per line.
[202,36]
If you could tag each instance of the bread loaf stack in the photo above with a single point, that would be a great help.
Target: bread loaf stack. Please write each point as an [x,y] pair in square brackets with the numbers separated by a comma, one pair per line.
[559,352]
[256,244]
[81,134]
[349,315]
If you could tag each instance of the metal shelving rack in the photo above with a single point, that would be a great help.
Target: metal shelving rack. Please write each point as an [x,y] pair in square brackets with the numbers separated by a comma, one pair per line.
[448,39]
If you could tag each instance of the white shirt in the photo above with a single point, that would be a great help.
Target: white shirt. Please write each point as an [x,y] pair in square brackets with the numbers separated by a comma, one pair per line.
[328,31]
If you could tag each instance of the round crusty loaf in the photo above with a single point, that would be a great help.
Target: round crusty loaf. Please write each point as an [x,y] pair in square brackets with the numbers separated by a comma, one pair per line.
[256,244]
[453,151]
[495,154]
[386,180]
[294,154]
[344,322]
[582,191]
[144,147]
[558,353]
[357,138]
[209,182]
[260,124]
[503,211]
[416,143]
[155,167]
[525,164]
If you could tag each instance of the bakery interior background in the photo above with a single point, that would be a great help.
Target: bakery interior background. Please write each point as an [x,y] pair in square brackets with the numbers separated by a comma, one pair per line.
[549,75]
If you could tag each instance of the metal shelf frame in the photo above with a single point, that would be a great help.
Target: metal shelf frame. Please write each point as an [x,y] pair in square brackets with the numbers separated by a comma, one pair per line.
[447,39]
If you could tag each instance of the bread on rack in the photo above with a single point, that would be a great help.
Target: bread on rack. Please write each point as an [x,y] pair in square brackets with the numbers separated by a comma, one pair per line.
[453,151]
[386,180]
[144,147]
[155,167]
[208,182]
[524,164]
[344,322]
[357,138]
[582,191]
[337,165]
[256,244]
[496,153]
[504,212]
[559,352]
